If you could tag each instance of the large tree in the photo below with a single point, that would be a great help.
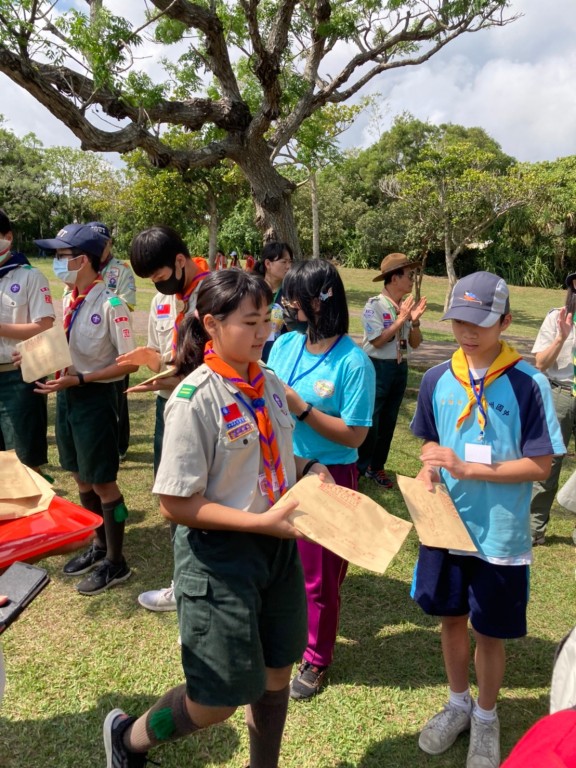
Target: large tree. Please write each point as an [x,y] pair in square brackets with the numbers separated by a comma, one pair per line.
[254,69]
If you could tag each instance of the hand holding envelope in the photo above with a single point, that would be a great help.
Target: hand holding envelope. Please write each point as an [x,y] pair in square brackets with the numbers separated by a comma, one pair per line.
[346,522]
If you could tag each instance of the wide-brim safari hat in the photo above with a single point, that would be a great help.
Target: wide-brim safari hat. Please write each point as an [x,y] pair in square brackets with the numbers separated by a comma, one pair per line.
[395,261]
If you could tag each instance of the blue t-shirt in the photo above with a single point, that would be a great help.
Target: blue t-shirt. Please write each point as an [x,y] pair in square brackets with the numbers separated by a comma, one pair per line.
[521,423]
[342,385]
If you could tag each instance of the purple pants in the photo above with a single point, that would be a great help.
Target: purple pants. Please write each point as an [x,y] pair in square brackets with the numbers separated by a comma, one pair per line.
[324,573]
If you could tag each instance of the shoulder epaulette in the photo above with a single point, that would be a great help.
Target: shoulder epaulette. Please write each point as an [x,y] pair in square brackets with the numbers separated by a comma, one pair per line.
[27,266]
[114,301]
[186,391]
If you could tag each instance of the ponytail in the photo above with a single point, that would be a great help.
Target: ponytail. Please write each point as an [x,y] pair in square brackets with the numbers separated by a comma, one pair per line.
[190,345]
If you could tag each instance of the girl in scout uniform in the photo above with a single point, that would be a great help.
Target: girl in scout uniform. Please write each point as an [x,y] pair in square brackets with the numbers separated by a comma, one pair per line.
[97,325]
[330,389]
[227,457]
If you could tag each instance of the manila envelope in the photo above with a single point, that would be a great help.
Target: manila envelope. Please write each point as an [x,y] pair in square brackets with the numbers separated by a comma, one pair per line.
[43,354]
[346,522]
[435,518]
[22,503]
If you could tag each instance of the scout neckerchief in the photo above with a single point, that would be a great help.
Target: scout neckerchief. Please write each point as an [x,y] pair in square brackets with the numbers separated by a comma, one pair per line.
[254,391]
[183,299]
[76,301]
[395,307]
[507,357]
[15,260]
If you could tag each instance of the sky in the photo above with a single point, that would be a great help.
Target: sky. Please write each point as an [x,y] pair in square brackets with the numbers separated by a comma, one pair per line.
[517,82]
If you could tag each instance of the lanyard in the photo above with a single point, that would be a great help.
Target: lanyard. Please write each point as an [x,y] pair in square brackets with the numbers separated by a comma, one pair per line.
[479,395]
[73,318]
[292,379]
[248,406]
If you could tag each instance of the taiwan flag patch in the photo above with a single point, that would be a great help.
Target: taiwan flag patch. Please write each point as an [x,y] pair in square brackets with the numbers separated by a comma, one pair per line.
[231,412]
[162,310]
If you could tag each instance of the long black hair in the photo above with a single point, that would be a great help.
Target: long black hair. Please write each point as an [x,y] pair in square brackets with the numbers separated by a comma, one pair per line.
[220,294]
[318,280]
[155,248]
[272,251]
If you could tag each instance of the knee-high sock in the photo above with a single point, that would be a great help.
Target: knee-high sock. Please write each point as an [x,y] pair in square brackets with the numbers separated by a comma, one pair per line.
[167,720]
[114,513]
[265,719]
[91,501]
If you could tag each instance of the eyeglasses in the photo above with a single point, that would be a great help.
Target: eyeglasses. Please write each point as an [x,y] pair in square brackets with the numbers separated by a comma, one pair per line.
[410,275]
[68,255]
[284,261]
[289,304]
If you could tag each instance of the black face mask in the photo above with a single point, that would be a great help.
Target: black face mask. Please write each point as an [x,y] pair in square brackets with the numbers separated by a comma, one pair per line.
[172,285]
[291,320]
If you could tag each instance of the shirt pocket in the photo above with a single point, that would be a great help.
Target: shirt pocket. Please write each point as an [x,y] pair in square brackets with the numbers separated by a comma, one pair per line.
[238,437]
[164,333]
[13,305]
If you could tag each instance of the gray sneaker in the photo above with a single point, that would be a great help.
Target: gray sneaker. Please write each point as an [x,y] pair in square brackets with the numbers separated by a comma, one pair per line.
[443,729]
[484,750]
[158,599]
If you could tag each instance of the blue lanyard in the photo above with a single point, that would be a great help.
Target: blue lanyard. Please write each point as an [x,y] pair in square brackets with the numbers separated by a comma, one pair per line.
[292,379]
[478,395]
[248,406]
[73,319]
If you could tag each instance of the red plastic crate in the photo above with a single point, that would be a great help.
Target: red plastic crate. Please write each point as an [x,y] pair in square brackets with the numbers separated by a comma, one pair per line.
[62,523]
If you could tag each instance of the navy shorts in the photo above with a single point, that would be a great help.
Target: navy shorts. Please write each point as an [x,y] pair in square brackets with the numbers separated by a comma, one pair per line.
[494,596]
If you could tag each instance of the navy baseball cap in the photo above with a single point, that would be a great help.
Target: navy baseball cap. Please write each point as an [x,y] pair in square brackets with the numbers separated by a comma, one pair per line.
[81,236]
[480,298]
[101,228]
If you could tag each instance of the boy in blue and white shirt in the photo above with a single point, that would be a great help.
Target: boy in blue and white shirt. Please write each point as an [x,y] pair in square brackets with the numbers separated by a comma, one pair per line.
[490,430]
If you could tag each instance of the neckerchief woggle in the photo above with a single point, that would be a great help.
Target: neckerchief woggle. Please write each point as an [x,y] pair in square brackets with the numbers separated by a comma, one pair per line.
[253,389]
[507,357]
[204,268]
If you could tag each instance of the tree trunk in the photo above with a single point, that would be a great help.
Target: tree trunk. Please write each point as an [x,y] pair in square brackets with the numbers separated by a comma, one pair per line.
[450,271]
[315,217]
[271,193]
[212,226]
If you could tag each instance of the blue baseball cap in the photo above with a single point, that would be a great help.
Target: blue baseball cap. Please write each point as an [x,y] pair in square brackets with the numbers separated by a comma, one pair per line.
[101,228]
[480,298]
[81,236]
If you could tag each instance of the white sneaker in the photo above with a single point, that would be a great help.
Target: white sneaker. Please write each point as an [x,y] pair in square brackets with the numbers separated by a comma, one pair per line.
[158,599]
[443,729]
[484,750]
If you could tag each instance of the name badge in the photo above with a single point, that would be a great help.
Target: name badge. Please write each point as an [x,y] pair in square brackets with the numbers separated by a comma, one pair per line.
[479,454]
[264,485]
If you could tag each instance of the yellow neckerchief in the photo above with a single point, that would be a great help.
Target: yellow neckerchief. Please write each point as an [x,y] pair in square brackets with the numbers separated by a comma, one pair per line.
[507,357]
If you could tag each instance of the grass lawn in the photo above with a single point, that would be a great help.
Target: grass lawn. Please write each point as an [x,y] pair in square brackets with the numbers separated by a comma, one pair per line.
[71,658]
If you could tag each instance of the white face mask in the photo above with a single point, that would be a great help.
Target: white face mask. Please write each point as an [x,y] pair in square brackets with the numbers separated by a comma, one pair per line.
[5,246]
[60,269]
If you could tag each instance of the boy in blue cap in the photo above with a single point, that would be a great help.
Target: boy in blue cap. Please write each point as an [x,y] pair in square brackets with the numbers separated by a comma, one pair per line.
[489,430]
[98,328]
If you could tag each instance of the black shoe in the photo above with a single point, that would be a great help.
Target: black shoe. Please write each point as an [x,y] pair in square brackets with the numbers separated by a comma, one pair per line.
[105,576]
[84,562]
[117,755]
[308,681]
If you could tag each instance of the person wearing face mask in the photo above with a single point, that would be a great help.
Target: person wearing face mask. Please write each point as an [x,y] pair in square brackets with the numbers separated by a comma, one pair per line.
[25,310]
[391,326]
[273,265]
[159,253]
[98,328]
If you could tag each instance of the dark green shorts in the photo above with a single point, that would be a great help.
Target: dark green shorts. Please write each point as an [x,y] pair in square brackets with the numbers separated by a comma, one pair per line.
[241,607]
[87,431]
[23,419]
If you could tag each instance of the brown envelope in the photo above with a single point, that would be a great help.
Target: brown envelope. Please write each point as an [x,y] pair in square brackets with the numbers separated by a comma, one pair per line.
[45,353]
[346,522]
[33,495]
[435,517]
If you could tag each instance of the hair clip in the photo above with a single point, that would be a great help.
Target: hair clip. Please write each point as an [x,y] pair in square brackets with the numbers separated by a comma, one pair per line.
[327,295]
[196,315]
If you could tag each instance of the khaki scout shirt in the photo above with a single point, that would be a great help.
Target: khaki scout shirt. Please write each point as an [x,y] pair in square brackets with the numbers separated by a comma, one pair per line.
[215,452]
[118,278]
[24,298]
[101,330]
[163,314]
[379,314]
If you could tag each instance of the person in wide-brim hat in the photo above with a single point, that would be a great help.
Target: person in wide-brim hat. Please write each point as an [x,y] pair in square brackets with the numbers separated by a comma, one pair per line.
[395,261]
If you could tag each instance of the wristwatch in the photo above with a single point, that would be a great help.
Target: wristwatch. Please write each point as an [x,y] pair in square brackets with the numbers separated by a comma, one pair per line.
[306,412]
